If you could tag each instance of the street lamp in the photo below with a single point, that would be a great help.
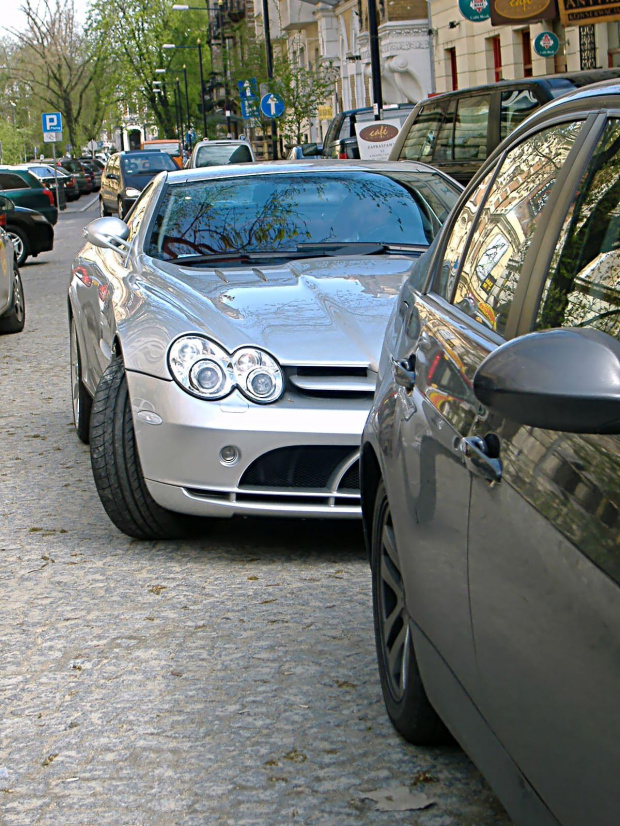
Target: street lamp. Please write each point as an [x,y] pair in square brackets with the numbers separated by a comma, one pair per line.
[202,80]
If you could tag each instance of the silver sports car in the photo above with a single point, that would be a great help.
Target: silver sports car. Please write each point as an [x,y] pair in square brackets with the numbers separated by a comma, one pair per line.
[225,339]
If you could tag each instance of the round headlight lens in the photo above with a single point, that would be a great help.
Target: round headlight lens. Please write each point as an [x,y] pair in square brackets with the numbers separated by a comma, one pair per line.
[258,374]
[201,367]
[206,376]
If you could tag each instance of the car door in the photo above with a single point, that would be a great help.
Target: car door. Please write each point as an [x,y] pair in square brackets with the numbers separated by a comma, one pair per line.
[544,553]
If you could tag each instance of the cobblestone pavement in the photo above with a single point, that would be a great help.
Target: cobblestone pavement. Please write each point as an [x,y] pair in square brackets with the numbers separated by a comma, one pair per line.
[227,680]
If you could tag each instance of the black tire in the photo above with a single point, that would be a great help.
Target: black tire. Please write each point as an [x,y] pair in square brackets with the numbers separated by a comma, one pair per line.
[103,212]
[116,465]
[407,704]
[81,399]
[21,244]
[13,320]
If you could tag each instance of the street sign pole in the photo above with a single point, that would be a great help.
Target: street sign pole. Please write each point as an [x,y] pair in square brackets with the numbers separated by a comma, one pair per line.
[269,51]
[56,176]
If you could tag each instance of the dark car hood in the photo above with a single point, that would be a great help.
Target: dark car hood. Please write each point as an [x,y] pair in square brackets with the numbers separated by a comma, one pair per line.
[314,311]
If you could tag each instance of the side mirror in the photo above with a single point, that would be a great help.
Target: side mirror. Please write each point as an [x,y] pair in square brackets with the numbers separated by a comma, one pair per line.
[310,150]
[566,380]
[110,233]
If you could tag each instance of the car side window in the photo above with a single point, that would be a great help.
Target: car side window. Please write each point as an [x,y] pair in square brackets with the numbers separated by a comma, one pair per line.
[8,181]
[470,128]
[444,147]
[515,106]
[420,141]
[583,289]
[507,223]
[345,128]
[458,238]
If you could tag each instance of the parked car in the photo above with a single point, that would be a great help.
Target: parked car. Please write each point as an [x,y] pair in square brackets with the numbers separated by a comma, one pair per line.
[305,150]
[30,232]
[126,174]
[249,317]
[457,131]
[83,179]
[216,153]
[24,189]
[341,138]
[12,304]
[171,146]
[47,175]
[95,172]
[490,473]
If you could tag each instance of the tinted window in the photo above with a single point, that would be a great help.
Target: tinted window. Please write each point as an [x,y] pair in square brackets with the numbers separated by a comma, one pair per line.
[9,181]
[584,287]
[278,212]
[420,141]
[516,105]
[470,129]
[506,225]
[142,163]
[444,149]
[218,154]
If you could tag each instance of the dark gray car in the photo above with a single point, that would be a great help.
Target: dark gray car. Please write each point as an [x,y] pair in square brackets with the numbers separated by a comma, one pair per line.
[126,174]
[491,473]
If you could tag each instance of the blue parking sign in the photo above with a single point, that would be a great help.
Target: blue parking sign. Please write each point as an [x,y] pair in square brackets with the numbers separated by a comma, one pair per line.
[52,122]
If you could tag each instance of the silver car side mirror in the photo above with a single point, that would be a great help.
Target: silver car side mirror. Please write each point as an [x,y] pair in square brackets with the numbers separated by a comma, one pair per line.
[109,232]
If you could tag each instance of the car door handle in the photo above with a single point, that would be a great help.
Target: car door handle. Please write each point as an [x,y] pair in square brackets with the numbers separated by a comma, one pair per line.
[477,459]
[403,373]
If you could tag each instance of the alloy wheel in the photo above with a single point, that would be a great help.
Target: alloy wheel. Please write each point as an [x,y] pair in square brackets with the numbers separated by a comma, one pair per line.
[75,373]
[18,245]
[393,618]
[18,298]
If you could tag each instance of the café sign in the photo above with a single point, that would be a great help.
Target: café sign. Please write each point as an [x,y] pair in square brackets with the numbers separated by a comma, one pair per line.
[521,11]
[475,11]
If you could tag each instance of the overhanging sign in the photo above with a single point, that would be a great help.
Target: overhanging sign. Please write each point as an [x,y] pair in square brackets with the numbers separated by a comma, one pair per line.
[586,12]
[512,12]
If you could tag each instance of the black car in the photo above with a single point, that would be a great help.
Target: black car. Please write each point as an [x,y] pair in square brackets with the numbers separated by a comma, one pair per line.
[457,131]
[30,232]
[83,177]
[491,473]
[94,171]
[341,138]
[126,174]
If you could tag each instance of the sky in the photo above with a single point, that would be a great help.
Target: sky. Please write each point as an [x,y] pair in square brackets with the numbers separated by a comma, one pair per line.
[13,18]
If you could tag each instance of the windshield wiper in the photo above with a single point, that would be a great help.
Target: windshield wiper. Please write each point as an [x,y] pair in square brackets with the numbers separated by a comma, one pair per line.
[342,247]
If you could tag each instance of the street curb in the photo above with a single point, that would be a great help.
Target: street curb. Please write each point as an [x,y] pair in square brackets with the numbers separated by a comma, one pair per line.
[88,206]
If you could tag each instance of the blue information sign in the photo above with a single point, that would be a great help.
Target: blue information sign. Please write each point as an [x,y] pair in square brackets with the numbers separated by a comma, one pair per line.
[272,106]
[249,109]
[52,122]
[248,88]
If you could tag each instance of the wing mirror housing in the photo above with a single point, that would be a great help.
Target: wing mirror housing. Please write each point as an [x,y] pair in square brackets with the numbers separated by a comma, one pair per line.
[109,232]
[567,380]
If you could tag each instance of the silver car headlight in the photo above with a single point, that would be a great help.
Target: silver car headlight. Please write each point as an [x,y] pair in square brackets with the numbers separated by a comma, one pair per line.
[257,374]
[206,370]
[201,367]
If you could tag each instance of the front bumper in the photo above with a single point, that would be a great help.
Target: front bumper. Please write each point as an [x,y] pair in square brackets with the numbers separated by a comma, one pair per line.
[184,472]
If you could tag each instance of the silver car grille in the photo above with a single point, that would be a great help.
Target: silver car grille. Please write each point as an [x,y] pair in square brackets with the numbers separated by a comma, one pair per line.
[332,382]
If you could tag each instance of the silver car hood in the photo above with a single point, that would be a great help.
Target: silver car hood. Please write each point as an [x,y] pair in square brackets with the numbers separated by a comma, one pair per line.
[320,311]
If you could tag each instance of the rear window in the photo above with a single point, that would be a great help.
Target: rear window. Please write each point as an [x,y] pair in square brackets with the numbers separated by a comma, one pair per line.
[219,154]
[262,213]
[139,163]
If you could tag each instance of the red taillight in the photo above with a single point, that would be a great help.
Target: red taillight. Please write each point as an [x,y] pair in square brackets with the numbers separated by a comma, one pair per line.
[49,194]
[3,219]
[342,156]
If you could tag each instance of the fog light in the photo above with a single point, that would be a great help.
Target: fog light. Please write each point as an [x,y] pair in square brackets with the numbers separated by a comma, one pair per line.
[229,455]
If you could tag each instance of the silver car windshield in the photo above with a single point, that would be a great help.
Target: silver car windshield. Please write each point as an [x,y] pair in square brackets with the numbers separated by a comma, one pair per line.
[276,213]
